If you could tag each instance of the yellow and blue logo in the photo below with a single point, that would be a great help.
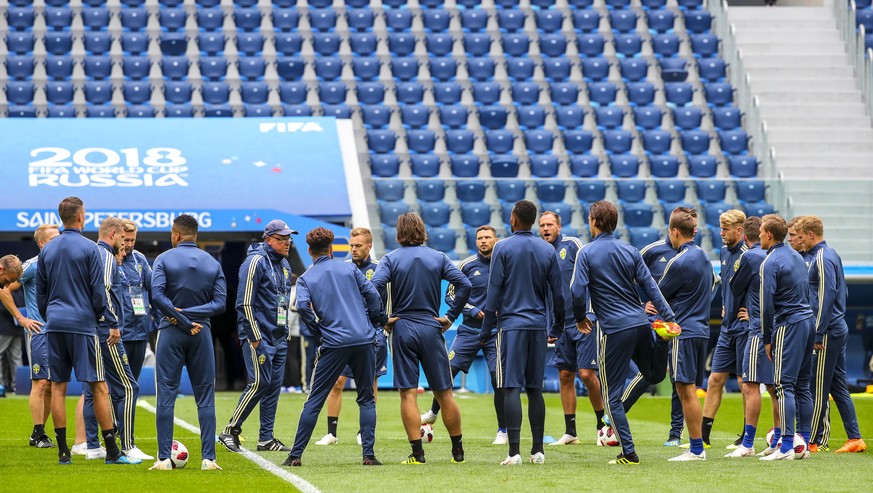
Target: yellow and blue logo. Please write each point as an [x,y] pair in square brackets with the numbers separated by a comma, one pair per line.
[261,359]
[563,253]
[36,368]
[369,274]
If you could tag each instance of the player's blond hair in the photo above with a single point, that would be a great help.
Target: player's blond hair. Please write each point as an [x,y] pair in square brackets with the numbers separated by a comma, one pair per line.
[733,218]
[42,232]
[129,226]
[775,225]
[810,224]
[109,225]
[794,220]
[11,263]
[362,232]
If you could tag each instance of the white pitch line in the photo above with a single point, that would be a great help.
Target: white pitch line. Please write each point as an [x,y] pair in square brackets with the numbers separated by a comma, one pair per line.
[298,482]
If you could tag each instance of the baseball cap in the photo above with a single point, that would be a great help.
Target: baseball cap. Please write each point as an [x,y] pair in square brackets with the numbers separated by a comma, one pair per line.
[278,227]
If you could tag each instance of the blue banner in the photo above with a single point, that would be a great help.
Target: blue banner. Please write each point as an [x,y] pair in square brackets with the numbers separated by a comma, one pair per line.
[233,174]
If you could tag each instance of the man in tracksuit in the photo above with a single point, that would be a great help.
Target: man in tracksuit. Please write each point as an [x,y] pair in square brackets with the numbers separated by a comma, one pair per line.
[262,318]
[416,272]
[123,387]
[727,357]
[609,270]
[342,309]
[828,293]
[575,352]
[757,368]
[466,345]
[525,280]
[136,284]
[71,298]
[188,287]
[687,286]
[789,335]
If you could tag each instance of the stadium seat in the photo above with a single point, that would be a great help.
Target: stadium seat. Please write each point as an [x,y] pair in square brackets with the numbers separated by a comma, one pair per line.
[687,118]
[21,67]
[617,141]
[640,237]
[499,141]
[492,117]
[398,20]
[389,235]
[690,4]
[96,67]
[562,209]
[251,68]
[712,69]
[640,93]
[134,19]
[742,166]
[623,21]
[332,92]
[475,214]
[520,69]
[584,165]
[578,141]
[384,165]
[750,190]
[59,92]
[511,20]
[436,19]
[660,20]
[470,190]
[734,142]
[549,20]
[670,190]
[326,44]
[173,68]
[447,92]
[553,45]
[178,92]
[20,19]
[586,20]
[210,43]
[704,45]
[58,18]
[215,93]
[381,141]
[647,117]
[339,111]
[624,165]
[370,92]
[759,209]
[474,20]
[516,44]
[421,141]
[609,117]
[638,215]
[96,92]
[288,44]
[136,92]
[595,69]
[425,165]
[302,110]
[390,211]
[525,92]
[543,165]
[631,190]
[673,69]
[172,19]
[136,67]
[727,118]
[665,45]
[667,209]
[375,115]
[435,213]
[698,21]
[252,43]
[438,44]
[718,93]
[702,166]
[213,67]
[430,190]
[400,44]
[618,4]
[97,42]
[531,116]
[627,44]
[322,19]
[590,44]
[664,166]
[564,93]
[504,166]
[443,69]
[711,191]
[360,19]
[465,165]
[695,141]
[414,116]
[590,191]
[711,212]
[59,111]
[366,68]
[443,240]
[486,93]
[602,93]
[460,141]
[539,141]
[657,141]
[212,19]
[633,69]
[328,67]
[678,93]
[409,92]
[569,117]
[26,111]
[511,191]
[557,69]
[56,42]
[404,68]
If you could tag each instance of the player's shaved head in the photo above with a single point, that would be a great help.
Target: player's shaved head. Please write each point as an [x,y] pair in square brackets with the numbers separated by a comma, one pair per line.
[604,215]
[775,225]
[410,230]
[525,214]
[69,210]
[752,229]
[319,240]
[810,224]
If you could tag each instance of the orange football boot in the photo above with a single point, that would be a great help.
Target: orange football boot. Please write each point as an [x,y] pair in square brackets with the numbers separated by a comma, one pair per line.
[853,445]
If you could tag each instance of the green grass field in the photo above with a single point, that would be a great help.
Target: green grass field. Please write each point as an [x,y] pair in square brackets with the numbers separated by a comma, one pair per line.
[337,468]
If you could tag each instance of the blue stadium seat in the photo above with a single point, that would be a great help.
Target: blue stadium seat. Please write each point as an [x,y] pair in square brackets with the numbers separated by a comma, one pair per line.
[557,69]
[465,165]
[712,69]
[590,44]
[136,67]
[400,44]
[438,44]
[486,93]
[743,166]
[177,92]
[641,237]
[288,44]
[711,191]
[657,141]
[332,92]
[328,67]
[174,67]
[320,4]
[477,44]
[617,141]
[404,68]
[211,43]
[421,141]
[252,43]
[665,45]
[59,92]
[628,44]
[563,210]
[661,20]
[590,191]
[447,92]
[390,211]
[436,20]
[504,166]
[21,67]
[506,213]
[586,20]
[617,4]
[623,20]
[520,69]
[323,43]
[360,19]
[20,19]
[134,19]
[499,141]
[375,115]
[564,93]
[453,116]
[213,67]
[97,92]
[384,165]
[569,117]
[602,93]
[695,141]
[389,235]
[366,68]
[136,92]
[670,190]
[460,141]
[474,20]
[638,215]
[553,44]
[516,44]
[734,142]
[698,21]
[687,118]
[511,191]
[492,117]
[443,69]
[544,165]
[551,191]
[298,110]
[254,92]
[704,45]
[363,43]
[475,214]
[609,117]
[251,68]
[247,19]
[414,116]
[470,190]
[640,93]
[430,190]
[727,118]
[56,42]
[409,92]
[718,93]
[398,20]
[443,240]
[134,43]
[539,141]
[759,209]
[702,166]
[480,69]
[322,19]
[549,20]
[690,4]
[595,69]
[864,18]
[647,117]
[339,111]
[389,190]
[673,69]
[96,18]
[511,20]
[26,111]
[633,69]
[578,141]
[370,93]
[60,111]
[712,211]
[381,141]
[58,18]
[751,190]
[172,19]
[96,67]
[435,213]
[667,209]
[176,43]
[171,3]
[215,93]
[257,110]
[664,166]
[531,116]
[213,19]
[678,93]
[584,165]
[624,165]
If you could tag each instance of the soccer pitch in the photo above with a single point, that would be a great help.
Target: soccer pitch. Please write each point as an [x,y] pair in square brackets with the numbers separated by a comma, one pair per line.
[337,468]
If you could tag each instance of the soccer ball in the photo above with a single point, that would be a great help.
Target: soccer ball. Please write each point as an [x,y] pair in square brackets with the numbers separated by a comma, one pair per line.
[606,437]
[427,432]
[770,438]
[799,446]
[179,455]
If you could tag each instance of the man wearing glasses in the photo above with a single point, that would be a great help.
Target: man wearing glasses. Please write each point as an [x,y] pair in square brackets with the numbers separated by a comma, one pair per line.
[262,317]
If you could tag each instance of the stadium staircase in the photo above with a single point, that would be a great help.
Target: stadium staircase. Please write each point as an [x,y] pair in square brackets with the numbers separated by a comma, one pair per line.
[815,117]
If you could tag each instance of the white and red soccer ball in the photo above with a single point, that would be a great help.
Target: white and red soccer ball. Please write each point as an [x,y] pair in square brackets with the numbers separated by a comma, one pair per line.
[606,437]
[179,455]
[427,433]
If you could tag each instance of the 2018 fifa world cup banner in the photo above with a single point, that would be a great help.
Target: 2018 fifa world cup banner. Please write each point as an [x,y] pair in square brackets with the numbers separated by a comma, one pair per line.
[231,173]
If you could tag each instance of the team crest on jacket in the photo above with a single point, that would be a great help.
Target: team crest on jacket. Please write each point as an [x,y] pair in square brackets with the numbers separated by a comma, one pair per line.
[451,355]
[285,271]
[261,359]
[124,359]
[737,265]
[563,253]
[369,274]
[36,368]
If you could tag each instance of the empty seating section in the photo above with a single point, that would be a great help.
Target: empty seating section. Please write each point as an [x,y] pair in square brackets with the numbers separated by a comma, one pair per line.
[461,110]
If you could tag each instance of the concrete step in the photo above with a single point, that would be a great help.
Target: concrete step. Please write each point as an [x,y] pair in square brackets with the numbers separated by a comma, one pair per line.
[802,73]
[806,96]
[753,61]
[780,36]
[849,186]
[772,108]
[763,24]
[821,147]
[784,84]
[829,196]
[781,13]
[830,135]
[830,209]
[818,171]
[852,122]
[832,47]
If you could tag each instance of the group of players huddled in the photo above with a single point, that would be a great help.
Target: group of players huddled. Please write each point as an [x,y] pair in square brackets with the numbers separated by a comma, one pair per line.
[90,308]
